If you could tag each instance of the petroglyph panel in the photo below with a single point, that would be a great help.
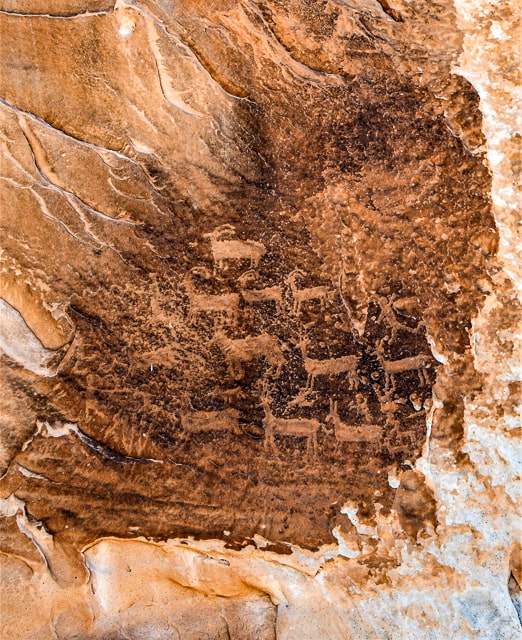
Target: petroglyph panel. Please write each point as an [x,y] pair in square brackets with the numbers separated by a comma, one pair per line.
[259,222]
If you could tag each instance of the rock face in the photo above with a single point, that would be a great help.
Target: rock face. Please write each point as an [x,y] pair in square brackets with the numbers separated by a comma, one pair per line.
[257,325]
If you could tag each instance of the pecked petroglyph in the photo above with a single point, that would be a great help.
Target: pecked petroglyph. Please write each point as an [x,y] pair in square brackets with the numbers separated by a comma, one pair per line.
[225,247]
[243,350]
[327,367]
[223,306]
[307,294]
[268,294]
[201,421]
[299,427]
[258,220]
[352,432]
[419,363]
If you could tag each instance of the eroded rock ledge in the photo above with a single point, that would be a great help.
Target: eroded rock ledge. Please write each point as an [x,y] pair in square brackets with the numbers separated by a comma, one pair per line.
[259,305]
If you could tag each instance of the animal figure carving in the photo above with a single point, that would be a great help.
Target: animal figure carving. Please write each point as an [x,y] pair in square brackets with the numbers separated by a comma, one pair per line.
[200,421]
[253,295]
[350,432]
[328,367]
[268,294]
[242,350]
[387,313]
[419,363]
[224,306]
[225,248]
[320,293]
[301,427]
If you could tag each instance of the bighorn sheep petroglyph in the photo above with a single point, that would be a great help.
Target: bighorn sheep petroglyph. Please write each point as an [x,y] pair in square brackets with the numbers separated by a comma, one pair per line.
[224,306]
[268,294]
[225,248]
[256,296]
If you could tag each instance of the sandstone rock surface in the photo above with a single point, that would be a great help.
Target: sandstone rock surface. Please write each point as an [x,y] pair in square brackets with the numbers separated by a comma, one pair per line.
[259,308]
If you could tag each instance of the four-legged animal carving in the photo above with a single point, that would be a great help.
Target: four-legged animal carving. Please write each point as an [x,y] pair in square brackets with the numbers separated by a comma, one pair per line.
[199,421]
[351,432]
[419,363]
[253,295]
[319,293]
[329,366]
[222,306]
[301,427]
[225,248]
[268,294]
[241,350]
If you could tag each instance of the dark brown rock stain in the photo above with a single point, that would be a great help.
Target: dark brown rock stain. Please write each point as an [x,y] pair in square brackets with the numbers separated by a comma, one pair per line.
[256,332]
[415,505]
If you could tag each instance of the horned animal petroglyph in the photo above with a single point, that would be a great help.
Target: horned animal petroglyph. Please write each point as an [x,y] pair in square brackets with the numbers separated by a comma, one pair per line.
[222,306]
[350,432]
[419,363]
[242,350]
[268,294]
[253,295]
[225,248]
[319,293]
[328,367]
[301,427]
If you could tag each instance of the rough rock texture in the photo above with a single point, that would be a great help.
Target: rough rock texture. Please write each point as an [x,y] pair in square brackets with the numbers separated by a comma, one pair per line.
[258,316]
